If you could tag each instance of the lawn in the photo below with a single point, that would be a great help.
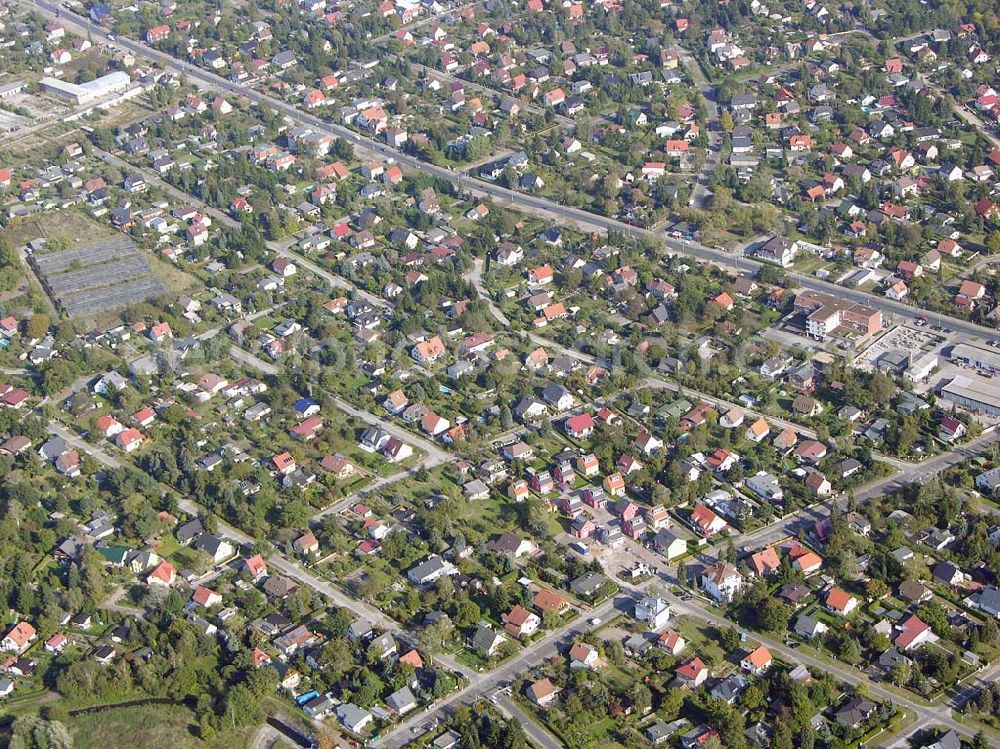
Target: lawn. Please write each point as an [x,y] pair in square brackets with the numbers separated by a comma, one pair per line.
[148,725]
[602,731]
[701,641]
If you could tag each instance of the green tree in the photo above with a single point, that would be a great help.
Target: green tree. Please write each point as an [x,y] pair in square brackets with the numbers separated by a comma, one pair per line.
[242,707]
[38,326]
[730,639]
[29,732]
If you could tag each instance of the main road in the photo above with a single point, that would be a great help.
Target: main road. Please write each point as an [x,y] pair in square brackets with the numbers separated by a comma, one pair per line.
[561,214]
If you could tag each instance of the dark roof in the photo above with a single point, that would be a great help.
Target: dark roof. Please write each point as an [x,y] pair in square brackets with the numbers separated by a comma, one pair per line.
[189,530]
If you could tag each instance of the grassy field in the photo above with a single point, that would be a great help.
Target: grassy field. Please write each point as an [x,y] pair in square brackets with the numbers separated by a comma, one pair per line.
[177,281]
[147,726]
[72,227]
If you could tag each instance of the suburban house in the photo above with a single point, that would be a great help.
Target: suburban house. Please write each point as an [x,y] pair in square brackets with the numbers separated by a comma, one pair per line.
[721,581]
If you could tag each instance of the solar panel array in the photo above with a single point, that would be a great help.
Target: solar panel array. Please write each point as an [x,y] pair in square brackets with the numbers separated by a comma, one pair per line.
[97,277]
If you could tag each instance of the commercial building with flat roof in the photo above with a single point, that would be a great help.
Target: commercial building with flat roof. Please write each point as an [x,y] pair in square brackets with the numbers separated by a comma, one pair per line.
[921,368]
[974,394]
[986,360]
[84,93]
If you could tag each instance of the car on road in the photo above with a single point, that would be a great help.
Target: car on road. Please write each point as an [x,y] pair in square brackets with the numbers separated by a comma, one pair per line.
[595,621]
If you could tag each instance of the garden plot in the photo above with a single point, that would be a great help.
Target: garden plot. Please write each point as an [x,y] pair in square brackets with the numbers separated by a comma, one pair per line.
[96,277]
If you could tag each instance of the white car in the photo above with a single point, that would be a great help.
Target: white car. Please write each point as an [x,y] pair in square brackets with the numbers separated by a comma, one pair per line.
[595,621]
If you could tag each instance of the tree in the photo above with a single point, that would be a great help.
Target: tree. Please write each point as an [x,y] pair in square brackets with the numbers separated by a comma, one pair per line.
[773,615]
[850,650]
[29,732]
[642,698]
[670,706]
[901,674]
[433,637]
[730,639]
[754,697]
[993,243]
[38,326]
[242,707]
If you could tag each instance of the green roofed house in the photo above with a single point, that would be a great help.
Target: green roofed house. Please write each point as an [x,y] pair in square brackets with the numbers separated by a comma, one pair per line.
[675,410]
[116,555]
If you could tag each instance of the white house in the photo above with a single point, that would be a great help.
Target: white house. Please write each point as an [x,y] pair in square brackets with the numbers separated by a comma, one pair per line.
[654,611]
[721,581]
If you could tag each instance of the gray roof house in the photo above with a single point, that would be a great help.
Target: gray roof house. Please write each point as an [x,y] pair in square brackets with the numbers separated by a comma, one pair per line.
[487,640]
[401,701]
[353,718]
[430,570]
[588,583]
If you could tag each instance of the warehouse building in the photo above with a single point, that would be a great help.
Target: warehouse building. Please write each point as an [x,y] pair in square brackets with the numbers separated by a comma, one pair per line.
[85,93]
[974,394]
[987,361]
[13,88]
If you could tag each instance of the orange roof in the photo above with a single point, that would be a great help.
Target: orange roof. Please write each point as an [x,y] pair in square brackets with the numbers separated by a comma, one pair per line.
[546,600]
[554,311]
[838,599]
[106,421]
[912,629]
[260,658]
[614,481]
[518,616]
[431,348]
[144,414]
[202,595]
[724,300]
[256,564]
[766,561]
[760,657]
[413,659]
[702,516]
[129,436]
[669,638]
[283,461]
[809,561]
[164,571]
[580,651]
[22,633]
[542,689]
